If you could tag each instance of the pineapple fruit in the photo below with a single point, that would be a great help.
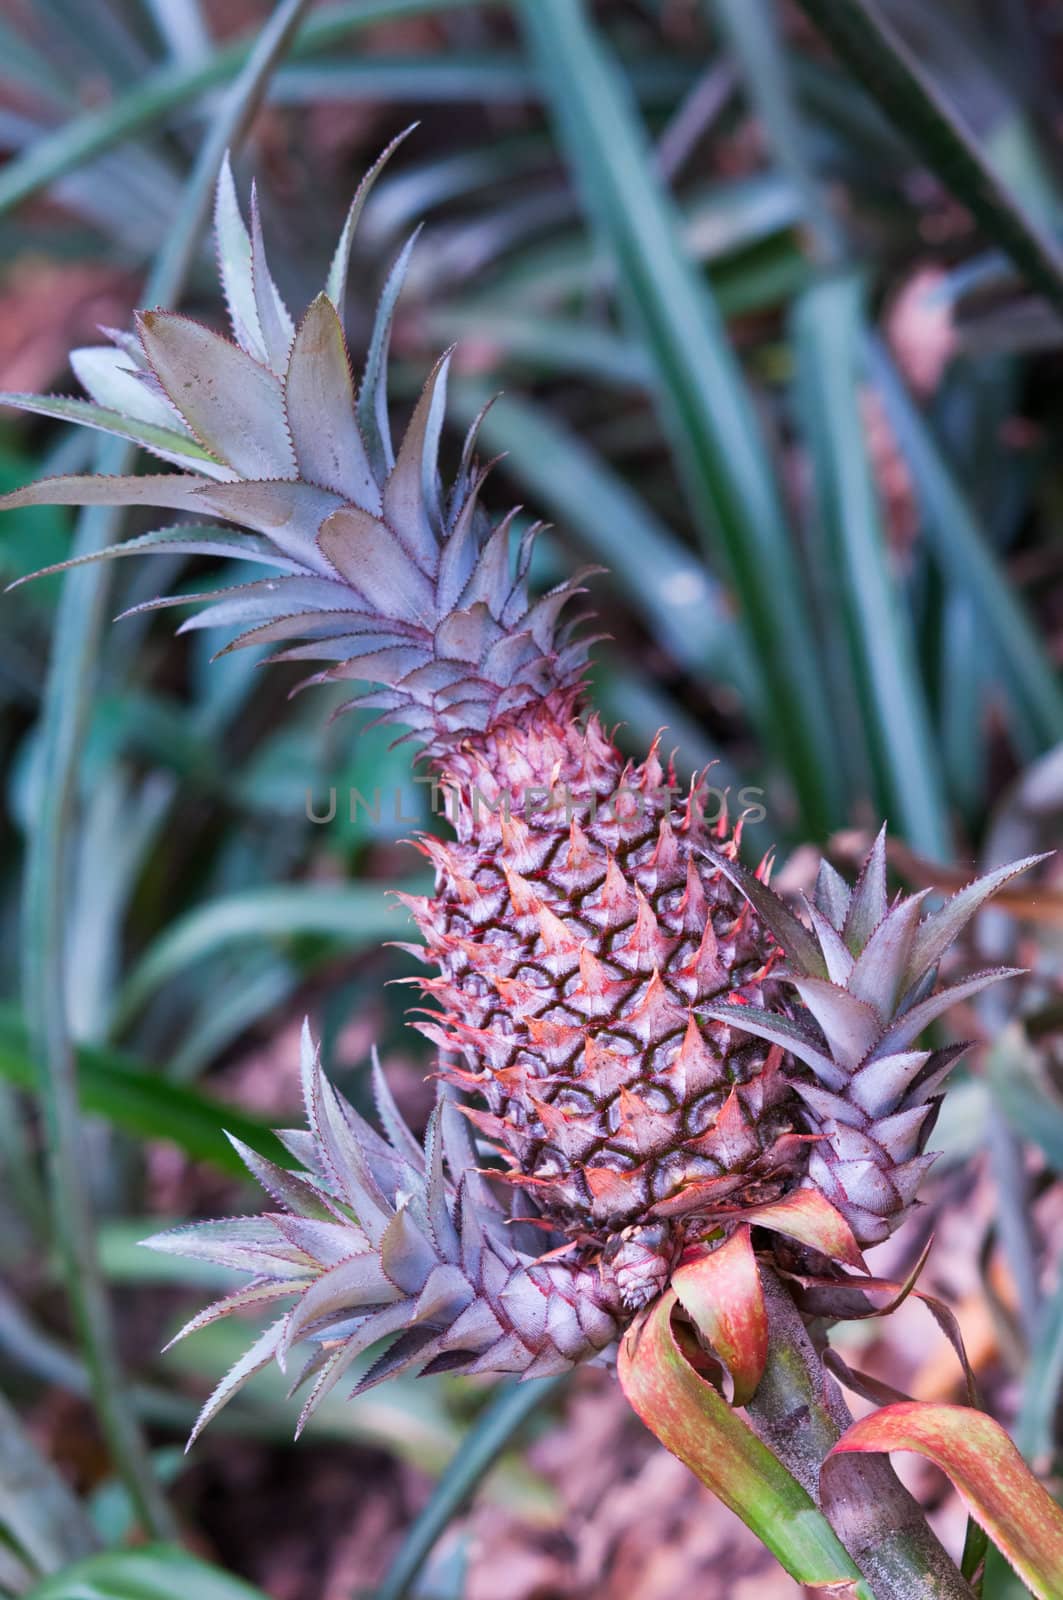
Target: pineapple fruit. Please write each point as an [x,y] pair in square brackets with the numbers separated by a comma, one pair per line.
[641,1045]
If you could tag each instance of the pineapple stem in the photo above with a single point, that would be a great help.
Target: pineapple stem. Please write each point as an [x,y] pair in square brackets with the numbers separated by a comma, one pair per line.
[799,1412]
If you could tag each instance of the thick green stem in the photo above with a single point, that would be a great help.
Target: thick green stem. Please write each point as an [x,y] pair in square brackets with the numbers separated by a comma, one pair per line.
[799,1412]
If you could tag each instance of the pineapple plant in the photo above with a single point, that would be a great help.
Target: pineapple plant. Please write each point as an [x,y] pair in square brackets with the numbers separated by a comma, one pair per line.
[643,1051]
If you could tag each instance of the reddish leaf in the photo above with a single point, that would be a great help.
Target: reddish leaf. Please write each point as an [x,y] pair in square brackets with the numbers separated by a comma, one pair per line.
[997,1486]
[696,1424]
[808,1216]
[722,1294]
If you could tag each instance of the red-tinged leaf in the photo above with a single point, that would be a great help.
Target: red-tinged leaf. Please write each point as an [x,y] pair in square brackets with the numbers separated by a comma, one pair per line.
[721,1292]
[809,1217]
[898,1291]
[696,1424]
[997,1486]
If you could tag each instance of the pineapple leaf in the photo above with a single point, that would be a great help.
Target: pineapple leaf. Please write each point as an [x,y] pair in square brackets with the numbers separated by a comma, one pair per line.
[373,417]
[908,1027]
[249,1298]
[247,1244]
[112,380]
[832,895]
[940,930]
[175,491]
[319,398]
[868,905]
[288,511]
[808,1216]
[194,539]
[231,402]
[997,1486]
[367,555]
[801,949]
[336,286]
[880,967]
[274,318]
[780,1030]
[167,443]
[234,264]
[358,1284]
[850,1026]
[405,504]
[261,1353]
[696,1424]
[836,953]
[722,1294]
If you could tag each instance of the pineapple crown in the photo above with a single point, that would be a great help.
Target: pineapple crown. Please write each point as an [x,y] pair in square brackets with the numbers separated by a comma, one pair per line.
[381,1238]
[865,972]
[374,570]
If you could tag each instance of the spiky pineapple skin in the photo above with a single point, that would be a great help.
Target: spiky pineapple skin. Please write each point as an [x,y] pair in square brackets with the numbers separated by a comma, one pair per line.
[578,930]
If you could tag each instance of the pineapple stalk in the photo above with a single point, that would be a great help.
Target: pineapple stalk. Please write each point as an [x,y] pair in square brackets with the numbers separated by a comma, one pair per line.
[800,1413]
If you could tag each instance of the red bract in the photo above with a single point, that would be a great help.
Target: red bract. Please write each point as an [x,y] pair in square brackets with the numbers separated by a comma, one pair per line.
[997,1486]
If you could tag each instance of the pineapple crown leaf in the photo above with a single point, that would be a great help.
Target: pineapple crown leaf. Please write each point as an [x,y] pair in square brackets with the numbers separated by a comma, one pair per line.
[379,1237]
[865,973]
[375,572]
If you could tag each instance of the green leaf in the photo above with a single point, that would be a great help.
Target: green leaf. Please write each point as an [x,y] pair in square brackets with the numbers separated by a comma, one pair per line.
[754,32]
[706,407]
[170,88]
[142,1103]
[696,1424]
[828,323]
[165,442]
[1025,1093]
[481,1447]
[1044,1383]
[156,1572]
[358,914]
[994,1482]
[69,685]
[964,553]
[873,50]
[485,77]
[40,1516]
[659,577]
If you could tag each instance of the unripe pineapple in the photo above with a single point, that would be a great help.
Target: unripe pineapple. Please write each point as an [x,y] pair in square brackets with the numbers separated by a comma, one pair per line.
[610,995]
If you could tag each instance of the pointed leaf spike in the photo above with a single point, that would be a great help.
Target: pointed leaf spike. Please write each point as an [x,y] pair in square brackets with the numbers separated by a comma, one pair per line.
[832,895]
[405,505]
[941,928]
[392,1120]
[868,904]
[274,318]
[169,444]
[373,417]
[234,264]
[336,286]
[261,1353]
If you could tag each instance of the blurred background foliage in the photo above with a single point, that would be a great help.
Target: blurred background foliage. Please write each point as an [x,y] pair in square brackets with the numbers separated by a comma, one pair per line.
[774,293]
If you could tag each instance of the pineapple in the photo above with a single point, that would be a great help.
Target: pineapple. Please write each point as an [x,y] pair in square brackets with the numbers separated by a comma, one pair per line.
[640,1045]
